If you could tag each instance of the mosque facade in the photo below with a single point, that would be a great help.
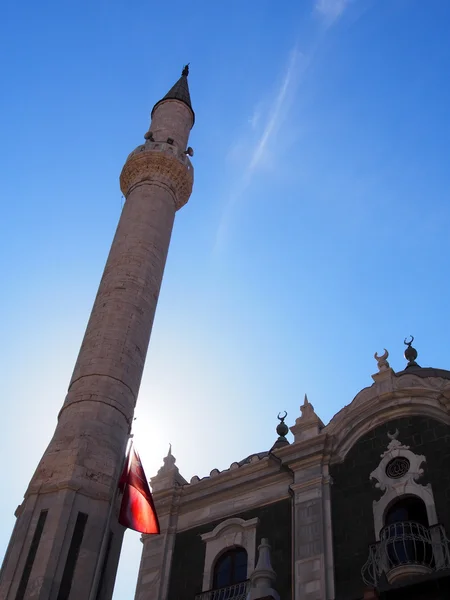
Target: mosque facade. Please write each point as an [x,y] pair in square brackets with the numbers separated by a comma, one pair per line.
[358,509]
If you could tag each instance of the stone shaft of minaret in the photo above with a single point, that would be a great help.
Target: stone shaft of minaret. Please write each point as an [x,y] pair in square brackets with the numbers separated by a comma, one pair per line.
[55,546]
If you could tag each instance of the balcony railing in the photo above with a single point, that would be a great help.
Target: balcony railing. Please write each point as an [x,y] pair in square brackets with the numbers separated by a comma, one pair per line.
[238,591]
[406,549]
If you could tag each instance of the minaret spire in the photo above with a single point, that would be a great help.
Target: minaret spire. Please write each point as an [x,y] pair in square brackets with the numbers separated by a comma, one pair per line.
[179,91]
[64,519]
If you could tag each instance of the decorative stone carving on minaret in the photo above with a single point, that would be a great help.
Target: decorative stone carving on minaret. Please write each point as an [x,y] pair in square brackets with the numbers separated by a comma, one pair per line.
[308,424]
[68,500]
[397,475]
[164,154]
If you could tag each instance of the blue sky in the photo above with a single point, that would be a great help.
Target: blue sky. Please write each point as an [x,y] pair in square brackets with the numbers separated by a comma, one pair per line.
[315,235]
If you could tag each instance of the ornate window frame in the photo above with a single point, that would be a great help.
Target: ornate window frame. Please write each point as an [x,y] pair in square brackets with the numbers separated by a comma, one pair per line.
[228,534]
[405,485]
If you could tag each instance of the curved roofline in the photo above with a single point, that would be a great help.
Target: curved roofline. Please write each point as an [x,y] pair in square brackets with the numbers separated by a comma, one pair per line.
[424,372]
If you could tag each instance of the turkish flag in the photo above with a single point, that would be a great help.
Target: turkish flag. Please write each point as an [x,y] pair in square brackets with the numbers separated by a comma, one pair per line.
[137,510]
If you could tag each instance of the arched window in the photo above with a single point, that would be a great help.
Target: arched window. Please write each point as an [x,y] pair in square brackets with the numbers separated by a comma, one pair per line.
[409,508]
[230,568]
[406,532]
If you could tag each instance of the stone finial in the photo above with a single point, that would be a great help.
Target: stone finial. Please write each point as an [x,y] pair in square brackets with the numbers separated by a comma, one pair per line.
[168,475]
[308,424]
[169,462]
[307,409]
[382,362]
[185,71]
[385,371]
[263,577]
[410,353]
[282,430]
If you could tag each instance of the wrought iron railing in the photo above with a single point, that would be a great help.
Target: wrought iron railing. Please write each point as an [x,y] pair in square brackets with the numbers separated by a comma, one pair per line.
[238,591]
[407,548]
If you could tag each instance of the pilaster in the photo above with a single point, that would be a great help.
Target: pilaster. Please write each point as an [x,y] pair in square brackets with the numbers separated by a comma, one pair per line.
[156,559]
[313,546]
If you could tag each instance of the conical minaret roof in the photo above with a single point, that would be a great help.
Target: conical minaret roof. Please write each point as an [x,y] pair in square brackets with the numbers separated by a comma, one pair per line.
[179,91]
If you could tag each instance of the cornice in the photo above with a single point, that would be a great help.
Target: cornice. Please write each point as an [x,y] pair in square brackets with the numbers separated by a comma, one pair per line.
[232,485]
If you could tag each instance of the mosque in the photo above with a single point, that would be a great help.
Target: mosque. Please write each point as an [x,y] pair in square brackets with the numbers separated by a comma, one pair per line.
[358,509]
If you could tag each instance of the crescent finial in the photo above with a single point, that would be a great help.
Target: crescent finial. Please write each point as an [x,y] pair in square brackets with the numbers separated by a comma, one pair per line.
[282,418]
[393,436]
[410,342]
[382,357]
[382,362]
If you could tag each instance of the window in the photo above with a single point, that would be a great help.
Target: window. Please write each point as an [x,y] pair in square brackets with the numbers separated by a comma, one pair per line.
[410,508]
[398,476]
[230,568]
[406,533]
[236,537]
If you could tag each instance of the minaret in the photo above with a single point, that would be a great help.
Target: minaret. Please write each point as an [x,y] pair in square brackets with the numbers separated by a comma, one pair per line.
[55,546]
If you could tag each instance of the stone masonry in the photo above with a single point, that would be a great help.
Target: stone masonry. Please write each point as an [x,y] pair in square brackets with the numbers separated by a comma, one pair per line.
[55,545]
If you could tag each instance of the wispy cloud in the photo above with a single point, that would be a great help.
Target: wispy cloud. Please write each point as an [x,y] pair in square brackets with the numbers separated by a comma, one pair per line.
[268,127]
[255,118]
[275,115]
[331,9]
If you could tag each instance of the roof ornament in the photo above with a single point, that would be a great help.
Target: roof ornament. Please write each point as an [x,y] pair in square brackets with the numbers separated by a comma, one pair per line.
[169,462]
[307,409]
[282,430]
[185,71]
[410,353]
[382,362]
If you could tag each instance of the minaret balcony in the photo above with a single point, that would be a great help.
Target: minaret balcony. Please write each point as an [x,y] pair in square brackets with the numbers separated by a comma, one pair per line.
[406,549]
[237,591]
[165,148]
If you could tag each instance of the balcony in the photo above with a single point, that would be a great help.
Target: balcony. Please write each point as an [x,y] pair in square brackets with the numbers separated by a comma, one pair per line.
[406,549]
[238,591]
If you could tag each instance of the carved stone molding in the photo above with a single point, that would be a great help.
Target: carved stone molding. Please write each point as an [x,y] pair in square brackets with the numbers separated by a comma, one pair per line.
[228,534]
[146,164]
[397,475]
[408,395]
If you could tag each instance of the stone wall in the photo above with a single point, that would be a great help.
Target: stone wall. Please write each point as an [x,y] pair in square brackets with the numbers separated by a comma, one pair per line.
[352,493]
[275,523]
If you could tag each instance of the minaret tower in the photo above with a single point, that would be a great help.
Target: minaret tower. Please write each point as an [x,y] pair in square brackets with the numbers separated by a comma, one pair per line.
[63,520]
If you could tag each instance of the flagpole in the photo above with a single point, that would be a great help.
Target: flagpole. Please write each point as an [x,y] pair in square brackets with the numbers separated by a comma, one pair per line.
[104,544]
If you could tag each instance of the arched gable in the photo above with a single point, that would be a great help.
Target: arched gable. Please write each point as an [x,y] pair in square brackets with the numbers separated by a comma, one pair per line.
[396,397]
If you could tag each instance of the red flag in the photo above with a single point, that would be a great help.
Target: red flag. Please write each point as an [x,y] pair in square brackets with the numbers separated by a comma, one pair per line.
[137,510]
